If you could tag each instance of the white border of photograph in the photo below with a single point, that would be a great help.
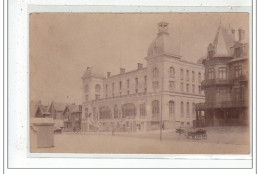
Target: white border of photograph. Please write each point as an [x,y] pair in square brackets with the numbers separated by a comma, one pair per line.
[18,71]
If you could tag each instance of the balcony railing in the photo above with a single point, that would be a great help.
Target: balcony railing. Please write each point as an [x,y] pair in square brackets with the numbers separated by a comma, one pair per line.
[241,78]
[223,104]
[205,83]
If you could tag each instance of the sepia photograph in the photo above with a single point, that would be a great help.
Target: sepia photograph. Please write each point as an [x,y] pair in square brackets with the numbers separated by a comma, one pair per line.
[139,83]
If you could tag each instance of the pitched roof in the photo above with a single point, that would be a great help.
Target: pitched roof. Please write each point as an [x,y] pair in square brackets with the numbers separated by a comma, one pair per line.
[223,41]
[59,107]
[33,107]
[43,109]
[74,108]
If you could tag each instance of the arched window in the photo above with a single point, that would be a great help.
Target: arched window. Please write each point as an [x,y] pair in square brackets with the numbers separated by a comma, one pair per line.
[182,109]
[86,113]
[155,73]
[97,88]
[105,112]
[128,110]
[155,108]
[86,88]
[193,109]
[188,109]
[171,108]
[115,111]
[171,72]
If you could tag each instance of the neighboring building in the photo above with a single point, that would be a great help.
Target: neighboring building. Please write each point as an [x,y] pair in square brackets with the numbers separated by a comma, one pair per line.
[33,107]
[56,112]
[42,111]
[72,117]
[165,91]
[226,82]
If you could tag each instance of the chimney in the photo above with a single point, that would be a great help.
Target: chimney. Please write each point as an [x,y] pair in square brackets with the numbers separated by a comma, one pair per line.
[108,74]
[140,66]
[122,70]
[241,35]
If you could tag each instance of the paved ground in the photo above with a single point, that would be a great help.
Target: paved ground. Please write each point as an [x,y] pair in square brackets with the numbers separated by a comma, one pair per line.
[232,140]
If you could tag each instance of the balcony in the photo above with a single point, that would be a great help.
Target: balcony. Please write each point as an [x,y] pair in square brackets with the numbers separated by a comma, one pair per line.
[213,82]
[241,79]
[224,104]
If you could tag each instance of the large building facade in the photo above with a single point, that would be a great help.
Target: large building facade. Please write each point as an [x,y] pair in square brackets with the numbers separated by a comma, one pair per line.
[162,93]
[226,81]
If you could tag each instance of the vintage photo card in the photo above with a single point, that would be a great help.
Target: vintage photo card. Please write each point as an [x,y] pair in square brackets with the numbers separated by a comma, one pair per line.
[139,83]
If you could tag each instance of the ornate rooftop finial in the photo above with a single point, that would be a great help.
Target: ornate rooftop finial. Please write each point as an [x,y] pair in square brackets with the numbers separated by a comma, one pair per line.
[163,27]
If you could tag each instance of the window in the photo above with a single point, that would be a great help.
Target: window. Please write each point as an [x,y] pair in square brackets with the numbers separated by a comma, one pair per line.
[128,83]
[86,113]
[187,75]
[145,80]
[86,88]
[106,90]
[156,85]
[181,87]
[136,82]
[187,88]
[188,109]
[222,73]
[238,52]
[97,96]
[193,110]
[120,85]
[182,109]
[142,110]
[86,97]
[128,92]
[238,70]
[171,85]
[193,89]
[181,76]
[199,77]
[155,108]
[211,73]
[128,110]
[210,54]
[115,111]
[113,88]
[97,88]
[199,89]
[155,73]
[105,112]
[171,72]
[171,109]
[193,76]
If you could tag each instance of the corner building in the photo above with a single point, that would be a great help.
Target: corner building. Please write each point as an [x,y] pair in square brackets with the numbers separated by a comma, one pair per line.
[226,84]
[162,93]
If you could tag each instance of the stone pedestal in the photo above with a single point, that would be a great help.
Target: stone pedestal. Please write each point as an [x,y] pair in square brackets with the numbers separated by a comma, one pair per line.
[41,133]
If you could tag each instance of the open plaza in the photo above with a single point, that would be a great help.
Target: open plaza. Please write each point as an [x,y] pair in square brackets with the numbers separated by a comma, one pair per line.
[221,140]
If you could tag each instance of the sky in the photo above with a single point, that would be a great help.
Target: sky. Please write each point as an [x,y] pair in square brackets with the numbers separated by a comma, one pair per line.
[63,45]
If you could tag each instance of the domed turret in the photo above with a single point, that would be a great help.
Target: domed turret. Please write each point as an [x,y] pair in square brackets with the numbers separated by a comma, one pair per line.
[163,43]
[93,72]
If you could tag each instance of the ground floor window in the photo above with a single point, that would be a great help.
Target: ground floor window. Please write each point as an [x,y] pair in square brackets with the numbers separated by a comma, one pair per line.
[142,110]
[155,108]
[171,108]
[105,112]
[115,111]
[128,110]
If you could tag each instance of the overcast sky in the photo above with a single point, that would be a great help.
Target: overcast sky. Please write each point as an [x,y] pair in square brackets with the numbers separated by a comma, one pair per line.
[62,45]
